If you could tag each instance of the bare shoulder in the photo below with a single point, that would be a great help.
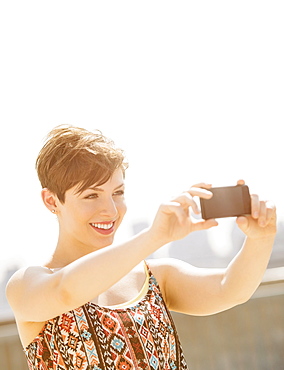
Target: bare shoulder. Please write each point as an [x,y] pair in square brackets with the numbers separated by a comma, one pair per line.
[169,269]
[158,267]
[25,275]
[162,267]
[22,280]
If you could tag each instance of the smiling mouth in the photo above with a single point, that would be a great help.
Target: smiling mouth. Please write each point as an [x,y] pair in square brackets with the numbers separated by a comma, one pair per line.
[104,228]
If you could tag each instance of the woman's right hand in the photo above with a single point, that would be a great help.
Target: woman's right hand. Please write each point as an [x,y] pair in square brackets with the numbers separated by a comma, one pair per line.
[173,220]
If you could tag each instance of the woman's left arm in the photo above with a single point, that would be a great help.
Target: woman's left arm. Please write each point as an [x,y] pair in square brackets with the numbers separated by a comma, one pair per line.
[200,291]
[244,273]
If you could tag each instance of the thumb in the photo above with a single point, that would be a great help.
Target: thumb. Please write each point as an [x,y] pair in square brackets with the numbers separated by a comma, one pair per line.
[243,223]
[204,224]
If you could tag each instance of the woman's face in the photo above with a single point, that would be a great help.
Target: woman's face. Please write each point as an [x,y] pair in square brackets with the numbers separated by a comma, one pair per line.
[90,219]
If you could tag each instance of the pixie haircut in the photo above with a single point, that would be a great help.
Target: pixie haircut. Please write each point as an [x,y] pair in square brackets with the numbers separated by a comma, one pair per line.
[74,156]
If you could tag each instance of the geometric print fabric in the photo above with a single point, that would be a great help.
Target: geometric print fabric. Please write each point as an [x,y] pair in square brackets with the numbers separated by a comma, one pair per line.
[93,337]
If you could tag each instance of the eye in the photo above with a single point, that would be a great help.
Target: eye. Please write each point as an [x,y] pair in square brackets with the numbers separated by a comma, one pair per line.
[92,196]
[119,192]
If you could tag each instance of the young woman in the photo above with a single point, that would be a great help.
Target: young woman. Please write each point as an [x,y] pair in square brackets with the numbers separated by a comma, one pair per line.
[96,305]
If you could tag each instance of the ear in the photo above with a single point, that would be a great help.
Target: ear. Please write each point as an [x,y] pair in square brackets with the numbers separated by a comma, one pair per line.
[49,199]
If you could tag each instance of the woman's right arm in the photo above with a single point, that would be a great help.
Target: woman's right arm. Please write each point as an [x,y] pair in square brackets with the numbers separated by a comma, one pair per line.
[36,294]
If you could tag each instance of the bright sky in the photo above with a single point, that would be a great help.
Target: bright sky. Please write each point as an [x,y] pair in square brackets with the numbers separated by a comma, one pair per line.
[193,91]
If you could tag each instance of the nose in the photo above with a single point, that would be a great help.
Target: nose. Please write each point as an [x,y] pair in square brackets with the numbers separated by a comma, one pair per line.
[109,209]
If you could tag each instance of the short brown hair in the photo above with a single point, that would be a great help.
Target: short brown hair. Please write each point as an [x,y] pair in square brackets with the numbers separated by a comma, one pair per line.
[75,156]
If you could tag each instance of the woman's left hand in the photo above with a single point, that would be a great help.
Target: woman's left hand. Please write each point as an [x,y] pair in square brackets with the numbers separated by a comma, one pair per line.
[262,221]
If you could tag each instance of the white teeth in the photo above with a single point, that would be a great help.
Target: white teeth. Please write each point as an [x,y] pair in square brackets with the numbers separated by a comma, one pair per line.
[103,226]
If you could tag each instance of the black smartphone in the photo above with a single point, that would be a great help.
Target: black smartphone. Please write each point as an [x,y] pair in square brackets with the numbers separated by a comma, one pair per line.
[227,201]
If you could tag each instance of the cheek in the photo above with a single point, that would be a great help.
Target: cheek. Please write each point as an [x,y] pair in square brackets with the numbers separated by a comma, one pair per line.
[122,207]
[77,214]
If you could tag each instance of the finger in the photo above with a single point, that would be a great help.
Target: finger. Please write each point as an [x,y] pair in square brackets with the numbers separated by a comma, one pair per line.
[270,211]
[174,208]
[186,200]
[255,206]
[203,185]
[243,223]
[199,192]
[241,182]
[266,213]
[262,214]
[204,224]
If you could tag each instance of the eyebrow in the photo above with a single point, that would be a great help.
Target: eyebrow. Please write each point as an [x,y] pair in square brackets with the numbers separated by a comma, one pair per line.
[101,190]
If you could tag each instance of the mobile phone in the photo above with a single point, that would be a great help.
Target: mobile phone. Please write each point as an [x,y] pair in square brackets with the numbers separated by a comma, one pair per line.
[227,201]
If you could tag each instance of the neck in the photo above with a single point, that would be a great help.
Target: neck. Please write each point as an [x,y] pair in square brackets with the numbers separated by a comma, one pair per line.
[66,252]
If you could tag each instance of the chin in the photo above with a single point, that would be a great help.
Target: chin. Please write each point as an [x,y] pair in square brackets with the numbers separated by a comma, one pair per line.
[102,243]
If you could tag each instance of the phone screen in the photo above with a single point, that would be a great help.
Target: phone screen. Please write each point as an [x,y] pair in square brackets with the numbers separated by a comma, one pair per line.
[229,201]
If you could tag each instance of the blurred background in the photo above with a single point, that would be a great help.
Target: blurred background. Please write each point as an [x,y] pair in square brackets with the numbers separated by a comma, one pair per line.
[192,91]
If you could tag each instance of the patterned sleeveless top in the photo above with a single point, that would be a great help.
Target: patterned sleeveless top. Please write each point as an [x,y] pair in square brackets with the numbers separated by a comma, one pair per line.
[92,337]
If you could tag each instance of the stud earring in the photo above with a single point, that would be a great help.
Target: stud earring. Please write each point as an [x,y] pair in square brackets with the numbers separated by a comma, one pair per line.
[53,210]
